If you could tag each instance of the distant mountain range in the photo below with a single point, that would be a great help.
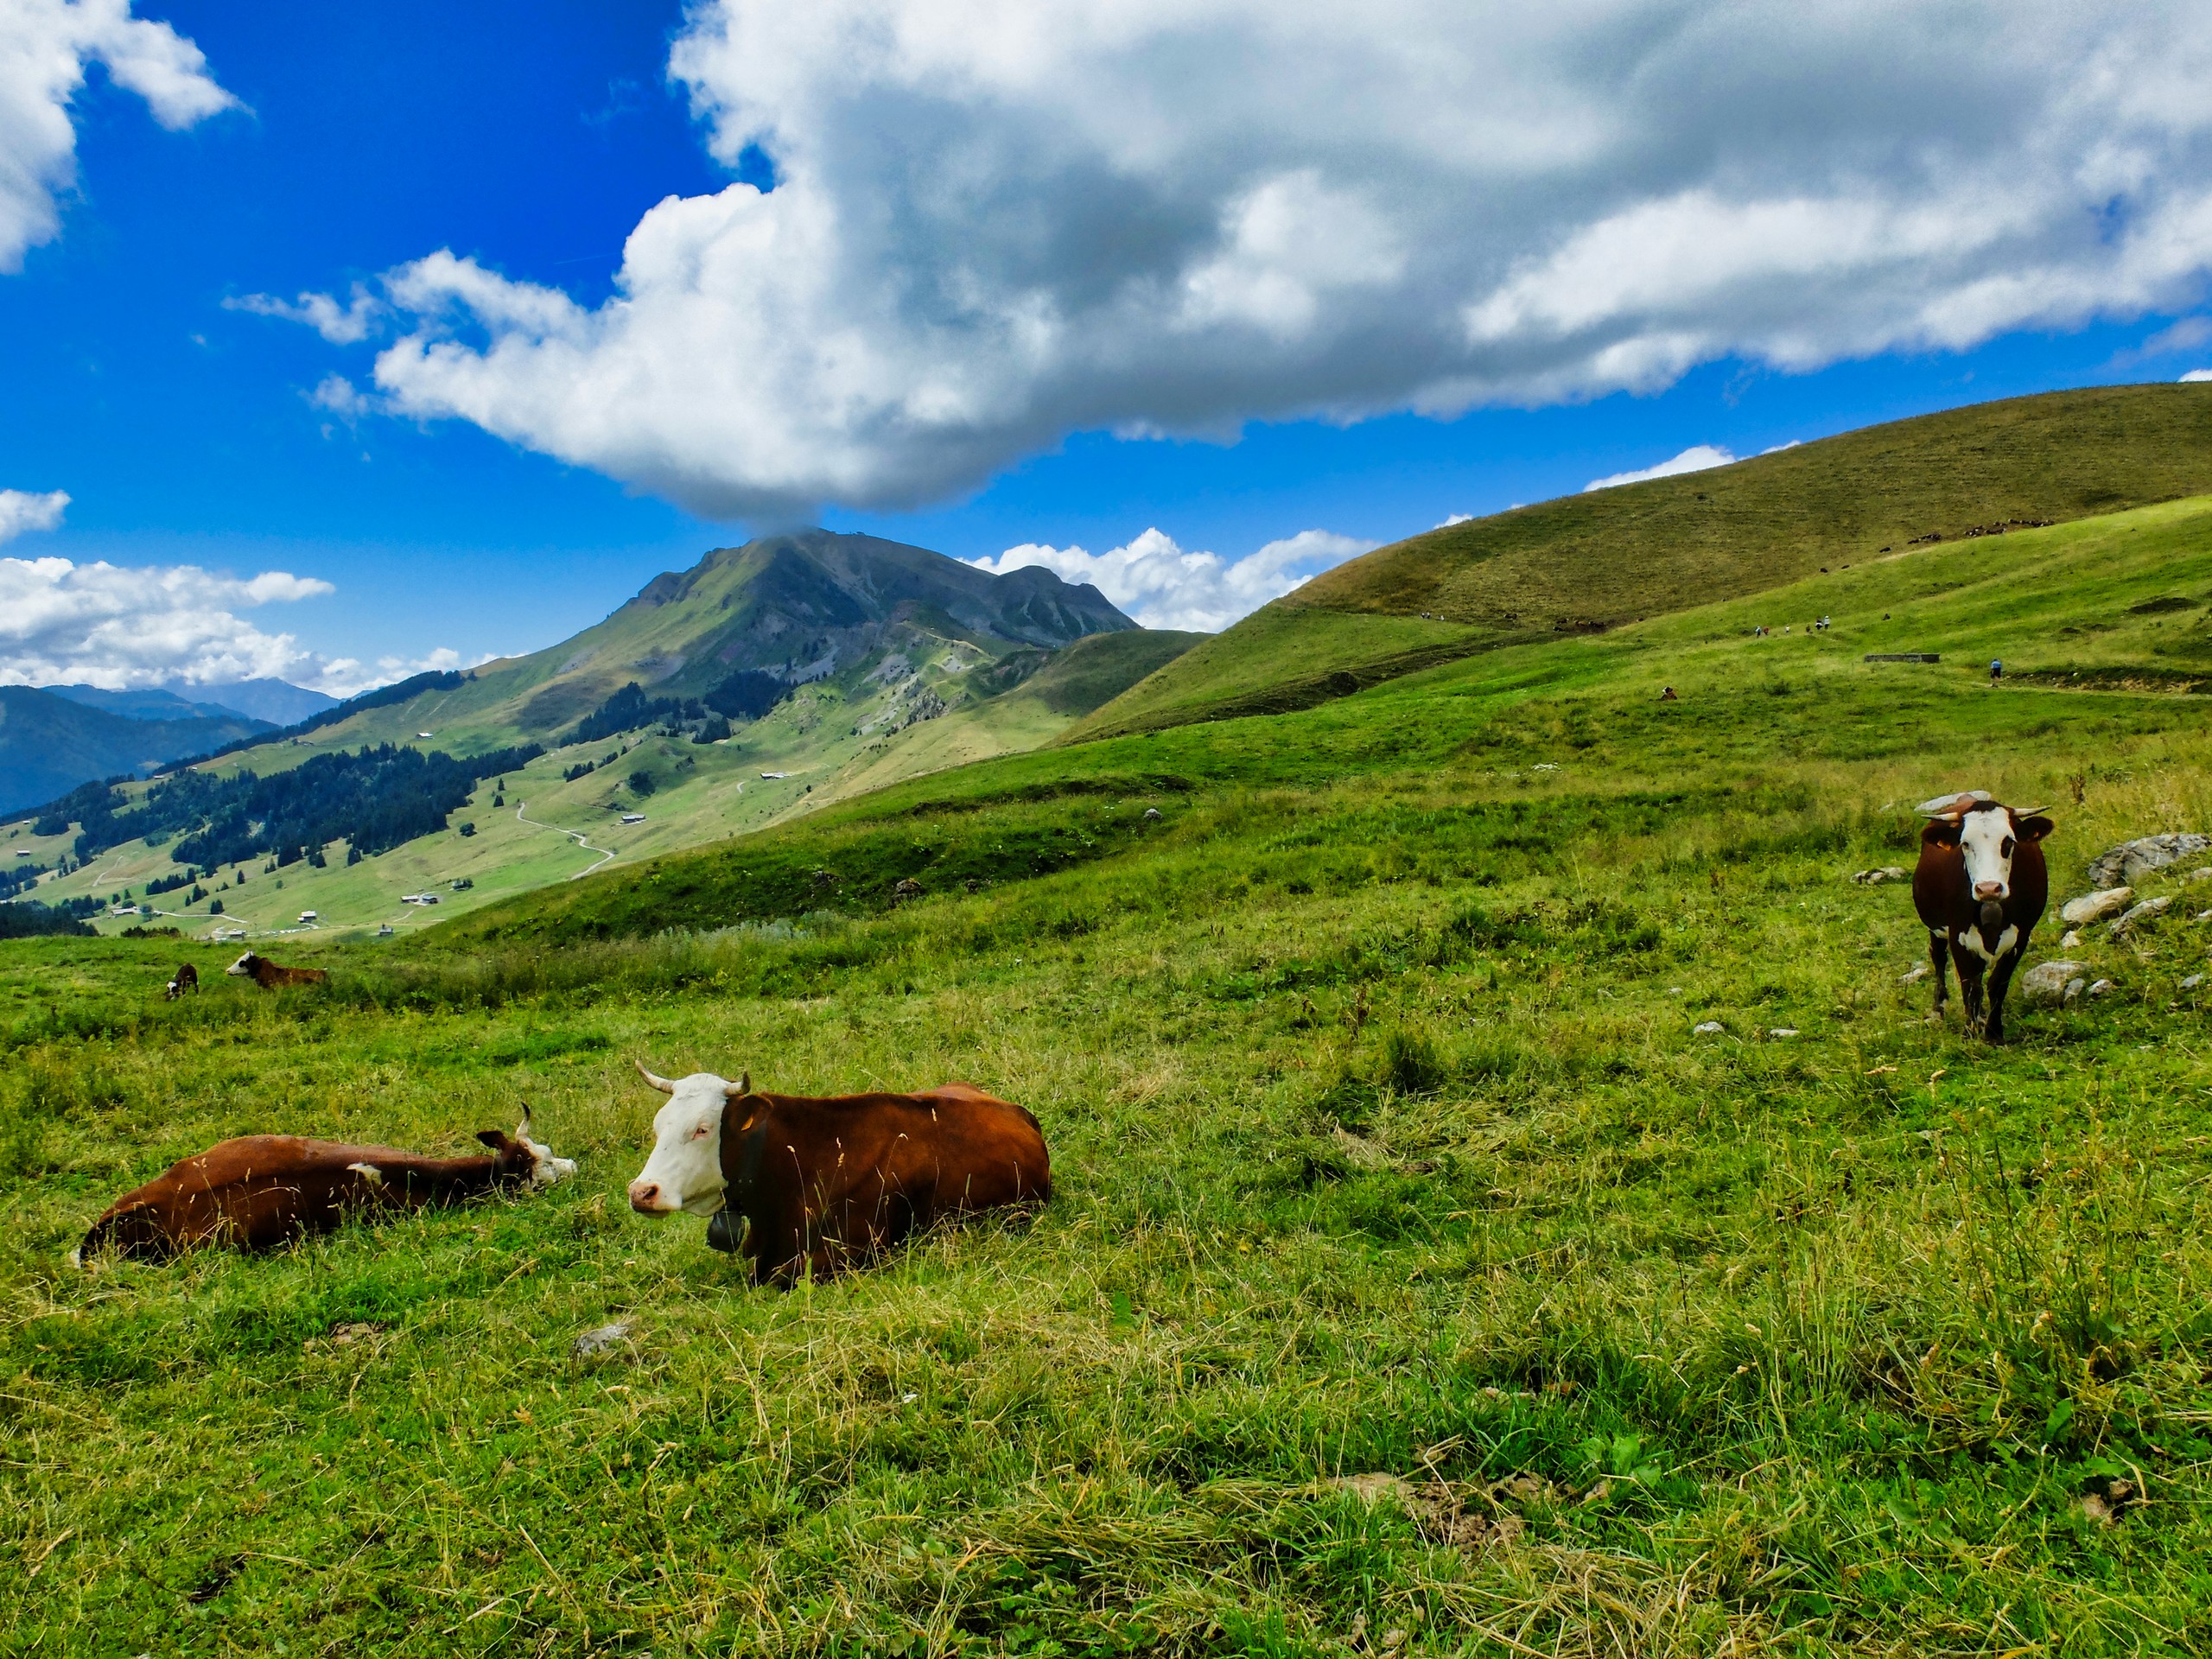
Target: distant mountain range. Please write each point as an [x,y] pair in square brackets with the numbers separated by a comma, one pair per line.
[767,680]
[278,702]
[50,742]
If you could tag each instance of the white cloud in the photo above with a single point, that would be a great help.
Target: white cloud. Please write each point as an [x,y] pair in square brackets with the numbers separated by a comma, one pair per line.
[1162,585]
[102,625]
[2196,375]
[45,47]
[1452,518]
[995,223]
[340,396]
[1695,459]
[26,510]
[344,677]
[342,325]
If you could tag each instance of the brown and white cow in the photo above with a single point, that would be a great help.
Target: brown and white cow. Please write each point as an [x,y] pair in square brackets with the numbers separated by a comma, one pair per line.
[267,974]
[1980,887]
[187,978]
[801,1184]
[262,1191]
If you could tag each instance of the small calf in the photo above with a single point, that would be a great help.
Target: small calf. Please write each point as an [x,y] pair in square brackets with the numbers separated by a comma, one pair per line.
[267,974]
[186,978]
[263,1190]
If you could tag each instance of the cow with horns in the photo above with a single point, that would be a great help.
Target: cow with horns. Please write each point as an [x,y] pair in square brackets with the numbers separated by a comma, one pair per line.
[1980,888]
[799,1184]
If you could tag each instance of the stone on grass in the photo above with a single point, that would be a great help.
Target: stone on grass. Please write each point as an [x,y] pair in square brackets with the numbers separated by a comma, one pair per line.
[2142,912]
[1708,1028]
[2095,906]
[1915,977]
[2133,860]
[602,1337]
[1782,1031]
[2204,874]
[2044,986]
[2073,938]
[2074,990]
[2192,982]
[2103,987]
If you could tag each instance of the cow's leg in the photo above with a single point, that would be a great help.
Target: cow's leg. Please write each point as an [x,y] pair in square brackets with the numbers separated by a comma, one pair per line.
[1939,946]
[1970,968]
[2001,980]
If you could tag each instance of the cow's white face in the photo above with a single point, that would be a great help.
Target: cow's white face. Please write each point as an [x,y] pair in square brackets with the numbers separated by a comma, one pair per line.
[244,965]
[685,1170]
[1987,839]
[544,1168]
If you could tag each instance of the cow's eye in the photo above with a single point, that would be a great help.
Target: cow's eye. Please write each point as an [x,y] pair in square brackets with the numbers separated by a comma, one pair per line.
[2008,845]
[699,1134]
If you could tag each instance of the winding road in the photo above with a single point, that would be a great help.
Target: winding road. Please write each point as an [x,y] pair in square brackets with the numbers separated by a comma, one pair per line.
[576,836]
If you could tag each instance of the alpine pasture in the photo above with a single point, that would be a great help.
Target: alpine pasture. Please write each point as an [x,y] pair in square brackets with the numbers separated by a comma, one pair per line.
[1419,1278]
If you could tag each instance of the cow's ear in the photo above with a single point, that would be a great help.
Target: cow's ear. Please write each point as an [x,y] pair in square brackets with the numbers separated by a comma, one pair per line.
[1941,832]
[2035,829]
[494,1139]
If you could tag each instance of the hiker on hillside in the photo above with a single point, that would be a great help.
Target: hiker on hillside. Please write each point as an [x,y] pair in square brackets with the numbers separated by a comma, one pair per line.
[1996,670]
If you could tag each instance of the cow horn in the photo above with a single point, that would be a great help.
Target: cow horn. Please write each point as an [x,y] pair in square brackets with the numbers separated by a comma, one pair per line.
[661,1083]
[2029,811]
[522,1130]
[739,1090]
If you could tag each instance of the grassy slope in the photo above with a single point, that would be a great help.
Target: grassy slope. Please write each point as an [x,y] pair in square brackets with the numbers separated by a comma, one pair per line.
[706,793]
[1649,549]
[1383,1147]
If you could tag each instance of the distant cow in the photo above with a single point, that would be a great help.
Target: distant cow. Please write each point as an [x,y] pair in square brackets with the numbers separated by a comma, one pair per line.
[267,974]
[1980,887]
[187,978]
[262,1191]
[800,1184]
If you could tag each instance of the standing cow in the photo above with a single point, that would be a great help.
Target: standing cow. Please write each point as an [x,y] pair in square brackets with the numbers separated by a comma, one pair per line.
[187,978]
[271,977]
[1980,887]
[800,1184]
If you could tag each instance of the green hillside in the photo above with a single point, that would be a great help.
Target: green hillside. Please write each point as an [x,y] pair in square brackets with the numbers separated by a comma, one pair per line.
[2119,602]
[1609,557]
[890,661]
[1508,1195]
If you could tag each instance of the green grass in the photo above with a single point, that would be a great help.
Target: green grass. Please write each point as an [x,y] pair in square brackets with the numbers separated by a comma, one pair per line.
[1383,1148]
[1618,556]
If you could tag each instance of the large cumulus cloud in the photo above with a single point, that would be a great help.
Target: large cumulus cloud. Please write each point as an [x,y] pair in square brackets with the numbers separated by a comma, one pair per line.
[995,223]
[1163,584]
[45,48]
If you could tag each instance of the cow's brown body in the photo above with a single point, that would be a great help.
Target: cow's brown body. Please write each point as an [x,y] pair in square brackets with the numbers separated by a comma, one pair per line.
[826,1183]
[187,978]
[1979,931]
[263,1190]
[271,977]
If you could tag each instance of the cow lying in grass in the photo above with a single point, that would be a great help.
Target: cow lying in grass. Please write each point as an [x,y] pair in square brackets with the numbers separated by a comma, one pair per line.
[800,1184]
[267,974]
[263,1190]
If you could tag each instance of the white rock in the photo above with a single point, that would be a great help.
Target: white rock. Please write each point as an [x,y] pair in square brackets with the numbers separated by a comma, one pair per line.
[1782,1031]
[1894,873]
[1915,977]
[2204,915]
[604,1336]
[2095,906]
[2142,912]
[2204,874]
[2192,982]
[1708,1028]
[2103,988]
[2133,860]
[2073,938]
[2074,990]
[2044,986]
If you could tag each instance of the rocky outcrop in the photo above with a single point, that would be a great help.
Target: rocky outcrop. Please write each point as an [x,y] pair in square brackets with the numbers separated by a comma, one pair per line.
[2133,860]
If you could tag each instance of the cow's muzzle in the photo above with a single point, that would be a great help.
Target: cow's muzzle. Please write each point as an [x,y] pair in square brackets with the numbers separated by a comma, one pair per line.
[725,1232]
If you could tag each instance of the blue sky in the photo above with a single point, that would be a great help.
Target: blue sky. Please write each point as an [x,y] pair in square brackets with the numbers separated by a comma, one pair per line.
[481,481]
